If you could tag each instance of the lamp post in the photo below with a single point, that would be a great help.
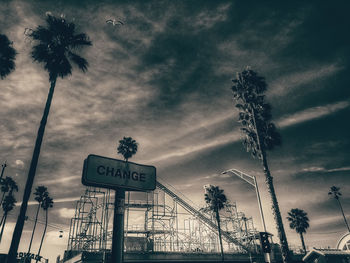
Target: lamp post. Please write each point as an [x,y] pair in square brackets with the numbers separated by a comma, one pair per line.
[251,179]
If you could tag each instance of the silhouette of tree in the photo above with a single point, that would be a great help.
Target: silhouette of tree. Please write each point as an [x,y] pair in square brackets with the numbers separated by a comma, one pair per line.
[41,194]
[7,206]
[260,134]
[7,185]
[216,200]
[7,56]
[335,193]
[300,222]
[55,47]
[127,147]
[46,204]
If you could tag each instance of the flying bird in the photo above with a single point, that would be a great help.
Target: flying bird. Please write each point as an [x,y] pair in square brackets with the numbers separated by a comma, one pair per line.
[27,31]
[114,22]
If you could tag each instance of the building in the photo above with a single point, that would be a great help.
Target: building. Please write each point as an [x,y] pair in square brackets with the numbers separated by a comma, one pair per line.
[318,255]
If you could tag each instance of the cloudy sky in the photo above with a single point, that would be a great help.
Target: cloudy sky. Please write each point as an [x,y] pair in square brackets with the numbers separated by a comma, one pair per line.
[164,78]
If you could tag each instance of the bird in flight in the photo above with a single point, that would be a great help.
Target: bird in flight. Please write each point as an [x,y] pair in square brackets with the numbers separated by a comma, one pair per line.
[114,22]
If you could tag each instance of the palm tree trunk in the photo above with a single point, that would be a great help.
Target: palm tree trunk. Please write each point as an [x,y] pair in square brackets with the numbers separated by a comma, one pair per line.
[341,208]
[36,220]
[275,208]
[42,238]
[3,226]
[276,211]
[303,242]
[220,239]
[2,198]
[2,219]
[16,236]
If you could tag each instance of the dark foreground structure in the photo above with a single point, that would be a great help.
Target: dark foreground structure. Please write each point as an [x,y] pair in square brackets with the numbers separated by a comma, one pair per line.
[160,257]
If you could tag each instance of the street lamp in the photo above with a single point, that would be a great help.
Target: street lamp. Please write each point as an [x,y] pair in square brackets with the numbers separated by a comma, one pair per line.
[251,179]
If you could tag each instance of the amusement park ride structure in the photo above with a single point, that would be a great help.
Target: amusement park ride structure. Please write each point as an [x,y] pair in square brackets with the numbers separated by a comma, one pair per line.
[163,220]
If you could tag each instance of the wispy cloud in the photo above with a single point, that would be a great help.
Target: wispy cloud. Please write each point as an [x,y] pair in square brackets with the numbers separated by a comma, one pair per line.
[286,84]
[65,212]
[235,135]
[322,169]
[59,200]
[209,18]
[312,113]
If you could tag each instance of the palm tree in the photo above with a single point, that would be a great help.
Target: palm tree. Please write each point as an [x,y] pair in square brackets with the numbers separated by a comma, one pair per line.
[7,56]
[127,147]
[41,194]
[260,134]
[335,193]
[216,200]
[55,48]
[8,185]
[4,188]
[299,221]
[45,205]
[7,206]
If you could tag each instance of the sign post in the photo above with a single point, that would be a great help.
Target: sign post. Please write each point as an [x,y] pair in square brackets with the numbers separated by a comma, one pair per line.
[121,176]
[118,226]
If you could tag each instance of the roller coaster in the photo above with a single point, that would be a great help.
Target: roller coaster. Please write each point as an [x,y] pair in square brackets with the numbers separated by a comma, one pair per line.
[163,220]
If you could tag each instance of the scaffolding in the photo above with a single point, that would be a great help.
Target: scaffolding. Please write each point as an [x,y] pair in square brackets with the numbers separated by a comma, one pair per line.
[162,220]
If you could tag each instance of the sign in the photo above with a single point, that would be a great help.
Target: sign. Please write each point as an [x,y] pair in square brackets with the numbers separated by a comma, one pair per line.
[106,172]
[23,255]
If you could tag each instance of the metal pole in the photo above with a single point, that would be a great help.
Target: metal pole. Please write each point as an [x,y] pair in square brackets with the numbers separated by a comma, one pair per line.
[2,170]
[259,201]
[267,255]
[118,227]
[255,184]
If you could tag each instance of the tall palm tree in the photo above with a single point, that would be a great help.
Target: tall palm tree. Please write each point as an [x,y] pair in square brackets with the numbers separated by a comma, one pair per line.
[127,147]
[335,193]
[216,200]
[260,134]
[7,56]
[41,194]
[8,185]
[45,205]
[55,47]
[299,221]
[7,206]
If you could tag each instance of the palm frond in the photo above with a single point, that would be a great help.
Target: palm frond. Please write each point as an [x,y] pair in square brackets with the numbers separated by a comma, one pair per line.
[255,113]
[127,147]
[79,61]
[80,40]
[9,203]
[298,220]
[7,56]
[55,44]
[42,34]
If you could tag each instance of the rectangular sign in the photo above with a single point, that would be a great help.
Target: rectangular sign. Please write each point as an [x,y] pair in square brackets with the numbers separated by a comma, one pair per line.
[106,172]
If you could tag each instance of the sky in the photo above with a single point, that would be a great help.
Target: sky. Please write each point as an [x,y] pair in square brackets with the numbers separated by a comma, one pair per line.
[164,78]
